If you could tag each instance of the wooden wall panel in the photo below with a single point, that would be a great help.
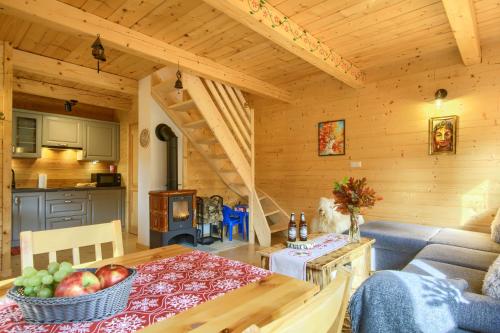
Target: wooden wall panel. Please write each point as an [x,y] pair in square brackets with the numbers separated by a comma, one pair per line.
[198,175]
[61,167]
[6,79]
[387,130]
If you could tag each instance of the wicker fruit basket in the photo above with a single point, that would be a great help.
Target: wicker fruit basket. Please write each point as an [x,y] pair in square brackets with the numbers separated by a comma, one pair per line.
[97,306]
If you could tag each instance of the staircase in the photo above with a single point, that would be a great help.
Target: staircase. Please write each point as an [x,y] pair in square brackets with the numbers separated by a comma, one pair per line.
[216,119]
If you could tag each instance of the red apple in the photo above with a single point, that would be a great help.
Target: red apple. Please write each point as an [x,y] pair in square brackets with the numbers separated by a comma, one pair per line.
[111,274]
[77,284]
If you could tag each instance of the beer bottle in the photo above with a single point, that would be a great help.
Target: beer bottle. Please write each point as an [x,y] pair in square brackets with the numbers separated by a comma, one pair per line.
[292,229]
[303,227]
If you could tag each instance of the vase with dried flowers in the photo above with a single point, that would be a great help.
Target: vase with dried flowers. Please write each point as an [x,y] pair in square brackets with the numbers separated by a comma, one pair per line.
[350,196]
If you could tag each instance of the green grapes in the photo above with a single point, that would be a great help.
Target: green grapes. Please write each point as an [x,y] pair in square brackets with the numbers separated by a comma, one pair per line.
[29,271]
[47,280]
[53,267]
[42,283]
[59,275]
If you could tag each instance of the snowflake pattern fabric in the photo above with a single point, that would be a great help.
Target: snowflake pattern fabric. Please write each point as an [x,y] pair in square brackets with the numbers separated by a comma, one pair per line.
[161,289]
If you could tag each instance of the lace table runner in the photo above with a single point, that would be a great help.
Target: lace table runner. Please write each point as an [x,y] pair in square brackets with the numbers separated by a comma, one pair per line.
[292,262]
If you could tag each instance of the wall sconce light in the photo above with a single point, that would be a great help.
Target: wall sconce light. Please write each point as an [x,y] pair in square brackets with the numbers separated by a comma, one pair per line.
[98,51]
[439,96]
[68,105]
[178,83]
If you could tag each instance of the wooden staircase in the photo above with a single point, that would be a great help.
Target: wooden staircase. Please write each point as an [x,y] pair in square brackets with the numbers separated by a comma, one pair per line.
[216,119]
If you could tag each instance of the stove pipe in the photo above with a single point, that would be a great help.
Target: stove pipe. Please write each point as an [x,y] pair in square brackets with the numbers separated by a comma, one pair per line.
[165,133]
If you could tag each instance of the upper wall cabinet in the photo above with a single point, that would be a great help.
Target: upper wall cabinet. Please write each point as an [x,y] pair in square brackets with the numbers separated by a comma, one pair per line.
[64,132]
[100,141]
[26,134]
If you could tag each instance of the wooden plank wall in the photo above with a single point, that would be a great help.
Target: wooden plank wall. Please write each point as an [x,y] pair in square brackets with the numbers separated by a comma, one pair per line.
[387,130]
[6,76]
[198,175]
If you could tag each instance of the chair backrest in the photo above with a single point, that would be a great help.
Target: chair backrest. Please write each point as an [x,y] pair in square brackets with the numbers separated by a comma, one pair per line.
[323,313]
[51,241]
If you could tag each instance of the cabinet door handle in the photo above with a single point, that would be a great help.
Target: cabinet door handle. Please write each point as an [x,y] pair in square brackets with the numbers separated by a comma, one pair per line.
[90,197]
[67,201]
[13,149]
[16,201]
[67,219]
[67,194]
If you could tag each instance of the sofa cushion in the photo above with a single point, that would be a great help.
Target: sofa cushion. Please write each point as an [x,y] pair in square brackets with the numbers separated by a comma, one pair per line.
[495,228]
[468,239]
[459,256]
[404,237]
[383,259]
[440,270]
[491,286]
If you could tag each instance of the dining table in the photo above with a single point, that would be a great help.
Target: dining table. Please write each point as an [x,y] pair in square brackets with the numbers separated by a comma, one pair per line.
[181,289]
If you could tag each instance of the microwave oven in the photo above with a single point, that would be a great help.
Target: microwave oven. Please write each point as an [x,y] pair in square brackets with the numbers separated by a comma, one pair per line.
[106,179]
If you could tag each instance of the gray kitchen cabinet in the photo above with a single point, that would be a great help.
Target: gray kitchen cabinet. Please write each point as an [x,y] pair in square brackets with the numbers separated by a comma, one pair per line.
[65,208]
[28,213]
[100,141]
[26,134]
[66,222]
[64,132]
[106,206]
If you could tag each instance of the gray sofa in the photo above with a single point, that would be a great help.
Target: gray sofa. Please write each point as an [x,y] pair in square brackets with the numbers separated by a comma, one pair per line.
[430,256]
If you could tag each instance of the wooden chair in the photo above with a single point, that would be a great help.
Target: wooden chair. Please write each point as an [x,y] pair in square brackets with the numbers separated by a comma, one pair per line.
[51,241]
[323,313]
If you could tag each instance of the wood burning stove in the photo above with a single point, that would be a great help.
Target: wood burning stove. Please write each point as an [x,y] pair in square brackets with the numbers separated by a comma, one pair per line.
[172,218]
[172,212]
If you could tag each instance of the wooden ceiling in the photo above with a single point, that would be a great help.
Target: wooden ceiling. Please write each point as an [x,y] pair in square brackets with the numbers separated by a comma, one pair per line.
[369,33]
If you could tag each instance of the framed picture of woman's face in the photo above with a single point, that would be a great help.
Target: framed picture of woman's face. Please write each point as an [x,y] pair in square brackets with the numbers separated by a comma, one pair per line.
[331,138]
[443,135]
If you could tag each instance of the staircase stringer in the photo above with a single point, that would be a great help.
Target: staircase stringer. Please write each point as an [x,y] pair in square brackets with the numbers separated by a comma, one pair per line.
[212,116]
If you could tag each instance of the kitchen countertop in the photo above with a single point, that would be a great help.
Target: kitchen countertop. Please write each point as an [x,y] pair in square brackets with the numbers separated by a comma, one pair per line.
[55,189]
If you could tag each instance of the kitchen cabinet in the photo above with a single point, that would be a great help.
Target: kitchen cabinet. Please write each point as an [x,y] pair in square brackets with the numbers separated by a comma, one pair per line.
[56,209]
[26,134]
[66,222]
[63,132]
[100,141]
[28,213]
[106,206]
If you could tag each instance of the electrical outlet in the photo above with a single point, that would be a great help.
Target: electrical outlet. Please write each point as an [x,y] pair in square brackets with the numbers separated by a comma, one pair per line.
[355,164]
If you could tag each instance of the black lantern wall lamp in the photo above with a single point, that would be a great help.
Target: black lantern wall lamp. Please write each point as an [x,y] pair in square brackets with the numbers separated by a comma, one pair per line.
[178,82]
[98,51]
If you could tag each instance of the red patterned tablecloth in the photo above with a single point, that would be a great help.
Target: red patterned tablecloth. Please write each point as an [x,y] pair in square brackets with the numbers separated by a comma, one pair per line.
[161,289]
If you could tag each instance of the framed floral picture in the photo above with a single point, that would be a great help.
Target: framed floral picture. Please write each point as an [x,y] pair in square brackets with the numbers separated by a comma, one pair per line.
[443,135]
[331,138]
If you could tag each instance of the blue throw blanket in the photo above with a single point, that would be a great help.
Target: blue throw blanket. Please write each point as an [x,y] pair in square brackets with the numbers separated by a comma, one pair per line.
[393,301]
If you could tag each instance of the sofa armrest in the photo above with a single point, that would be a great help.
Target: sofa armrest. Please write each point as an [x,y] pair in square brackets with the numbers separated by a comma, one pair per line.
[479,313]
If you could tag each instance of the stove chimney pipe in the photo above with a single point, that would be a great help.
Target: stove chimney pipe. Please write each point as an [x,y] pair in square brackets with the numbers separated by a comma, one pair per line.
[165,133]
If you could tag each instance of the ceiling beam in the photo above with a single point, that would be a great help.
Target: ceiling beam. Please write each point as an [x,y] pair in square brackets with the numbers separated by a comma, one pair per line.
[45,89]
[69,19]
[53,68]
[463,22]
[274,25]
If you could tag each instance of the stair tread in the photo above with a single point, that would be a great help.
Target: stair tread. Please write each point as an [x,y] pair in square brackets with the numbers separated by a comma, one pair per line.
[217,156]
[183,106]
[195,124]
[262,197]
[278,227]
[207,141]
[272,212]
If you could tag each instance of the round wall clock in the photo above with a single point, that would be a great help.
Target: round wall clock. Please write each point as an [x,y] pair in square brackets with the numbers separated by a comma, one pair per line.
[144,138]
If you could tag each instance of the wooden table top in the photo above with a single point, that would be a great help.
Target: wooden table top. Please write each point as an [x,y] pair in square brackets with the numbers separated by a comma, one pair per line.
[256,303]
[327,259]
